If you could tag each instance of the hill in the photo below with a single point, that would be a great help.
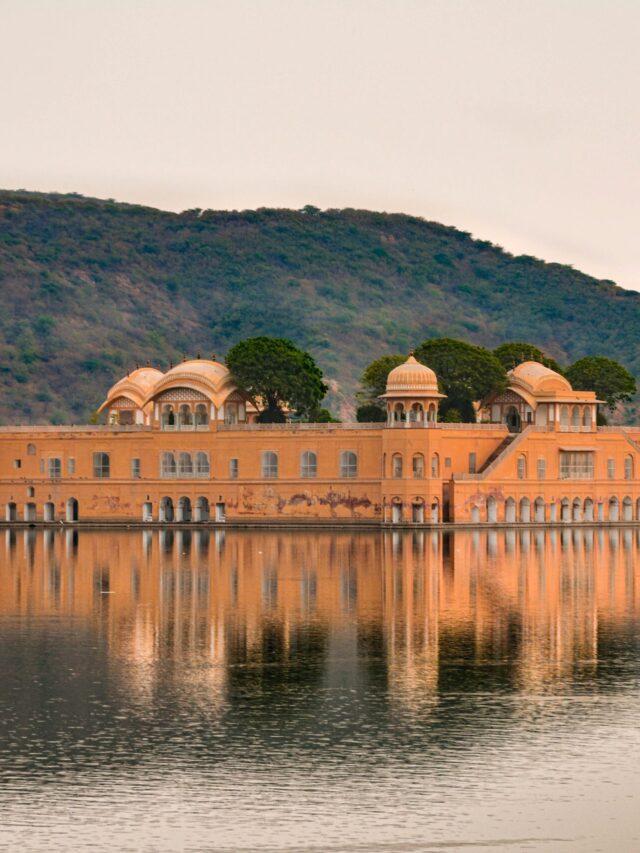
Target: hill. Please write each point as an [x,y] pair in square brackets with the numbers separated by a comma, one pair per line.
[89,287]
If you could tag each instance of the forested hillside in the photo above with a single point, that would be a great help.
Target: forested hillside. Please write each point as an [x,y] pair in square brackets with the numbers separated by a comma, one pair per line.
[91,287]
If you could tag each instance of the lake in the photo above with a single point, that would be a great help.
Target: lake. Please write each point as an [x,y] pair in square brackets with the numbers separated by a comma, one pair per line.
[320,691]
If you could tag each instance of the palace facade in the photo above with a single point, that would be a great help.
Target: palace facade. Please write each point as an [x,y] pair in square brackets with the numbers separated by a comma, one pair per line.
[184,447]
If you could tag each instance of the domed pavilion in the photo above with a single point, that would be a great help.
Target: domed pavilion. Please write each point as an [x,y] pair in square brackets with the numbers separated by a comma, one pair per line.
[189,396]
[538,395]
[412,395]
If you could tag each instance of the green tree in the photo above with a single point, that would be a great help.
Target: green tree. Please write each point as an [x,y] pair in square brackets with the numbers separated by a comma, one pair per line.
[274,372]
[512,354]
[610,380]
[322,416]
[371,413]
[373,383]
[465,372]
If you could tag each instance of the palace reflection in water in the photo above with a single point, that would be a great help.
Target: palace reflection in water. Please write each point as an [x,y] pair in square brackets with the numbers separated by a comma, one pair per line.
[181,689]
[539,600]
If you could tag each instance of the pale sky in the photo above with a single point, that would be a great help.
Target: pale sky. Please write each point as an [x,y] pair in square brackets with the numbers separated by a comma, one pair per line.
[517,120]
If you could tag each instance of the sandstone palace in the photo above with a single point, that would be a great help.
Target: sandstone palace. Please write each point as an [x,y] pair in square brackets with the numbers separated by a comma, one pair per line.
[184,447]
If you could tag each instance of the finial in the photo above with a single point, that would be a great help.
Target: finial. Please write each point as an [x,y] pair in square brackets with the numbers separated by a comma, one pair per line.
[184,356]
[137,365]
[213,356]
[171,364]
[198,355]
[148,363]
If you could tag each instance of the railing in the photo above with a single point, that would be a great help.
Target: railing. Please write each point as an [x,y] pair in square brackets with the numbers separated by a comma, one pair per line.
[77,428]
[294,427]
[165,427]
[579,472]
[488,427]
[183,475]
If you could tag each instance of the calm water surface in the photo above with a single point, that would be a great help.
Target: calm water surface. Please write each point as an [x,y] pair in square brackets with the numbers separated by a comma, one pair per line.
[316,691]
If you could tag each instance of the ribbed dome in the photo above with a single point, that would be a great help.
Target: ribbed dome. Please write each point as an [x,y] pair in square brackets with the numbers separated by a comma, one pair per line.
[211,370]
[412,378]
[538,378]
[143,378]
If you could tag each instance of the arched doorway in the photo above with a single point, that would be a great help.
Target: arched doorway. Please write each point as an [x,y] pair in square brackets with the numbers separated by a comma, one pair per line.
[475,515]
[165,512]
[30,512]
[492,510]
[183,513]
[417,511]
[539,510]
[525,510]
[510,511]
[576,514]
[220,512]
[147,511]
[71,512]
[627,509]
[435,511]
[49,511]
[202,509]
[396,511]
[565,510]
[587,511]
[11,511]
[513,419]
[614,510]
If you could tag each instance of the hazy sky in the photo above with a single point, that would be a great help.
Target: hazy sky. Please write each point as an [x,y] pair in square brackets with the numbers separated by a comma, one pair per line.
[517,120]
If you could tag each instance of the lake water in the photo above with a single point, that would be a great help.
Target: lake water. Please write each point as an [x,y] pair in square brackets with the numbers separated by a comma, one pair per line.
[320,691]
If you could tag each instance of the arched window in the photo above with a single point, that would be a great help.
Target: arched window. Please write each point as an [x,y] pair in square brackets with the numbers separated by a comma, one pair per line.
[628,467]
[432,414]
[185,465]
[522,466]
[417,413]
[586,416]
[168,417]
[186,416]
[31,450]
[575,416]
[418,466]
[101,465]
[202,464]
[399,413]
[269,465]
[201,415]
[396,465]
[435,465]
[348,464]
[308,464]
[564,417]
[167,465]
